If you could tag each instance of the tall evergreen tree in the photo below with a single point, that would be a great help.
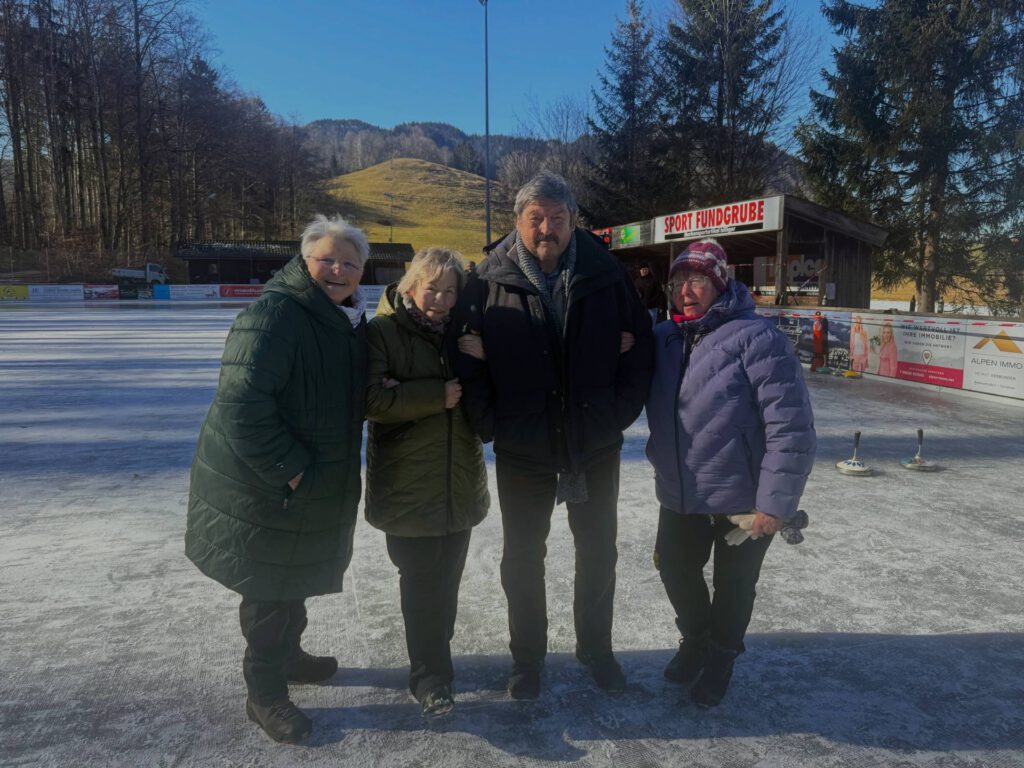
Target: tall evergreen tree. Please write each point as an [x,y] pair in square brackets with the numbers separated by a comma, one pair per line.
[922,130]
[627,181]
[729,69]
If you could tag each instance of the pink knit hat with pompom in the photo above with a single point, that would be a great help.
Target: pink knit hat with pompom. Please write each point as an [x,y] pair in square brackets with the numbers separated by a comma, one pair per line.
[706,257]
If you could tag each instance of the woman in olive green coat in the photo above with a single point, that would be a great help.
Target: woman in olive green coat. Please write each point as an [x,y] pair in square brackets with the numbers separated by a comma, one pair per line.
[426,484]
[275,480]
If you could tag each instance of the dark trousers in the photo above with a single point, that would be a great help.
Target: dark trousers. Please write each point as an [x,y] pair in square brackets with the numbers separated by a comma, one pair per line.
[430,570]
[527,497]
[272,631]
[684,546]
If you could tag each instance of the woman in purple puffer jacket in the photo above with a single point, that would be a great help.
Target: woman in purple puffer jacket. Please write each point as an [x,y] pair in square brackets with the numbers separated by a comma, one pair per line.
[732,433]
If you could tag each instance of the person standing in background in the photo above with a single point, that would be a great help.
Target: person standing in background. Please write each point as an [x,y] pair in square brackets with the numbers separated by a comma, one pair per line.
[652,294]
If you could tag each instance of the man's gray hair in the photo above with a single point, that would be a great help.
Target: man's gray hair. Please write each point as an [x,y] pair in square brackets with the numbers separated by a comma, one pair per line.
[546,186]
[337,228]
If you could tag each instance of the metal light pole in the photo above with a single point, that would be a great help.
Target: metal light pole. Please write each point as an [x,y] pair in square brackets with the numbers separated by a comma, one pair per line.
[487,133]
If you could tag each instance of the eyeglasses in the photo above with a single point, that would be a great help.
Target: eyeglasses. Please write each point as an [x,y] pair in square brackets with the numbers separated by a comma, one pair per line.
[694,281]
[330,263]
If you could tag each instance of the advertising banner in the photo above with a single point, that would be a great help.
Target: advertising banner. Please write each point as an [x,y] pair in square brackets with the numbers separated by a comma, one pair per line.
[978,355]
[56,293]
[241,291]
[97,292]
[193,292]
[13,293]
[928,350]
[798,325]
[764,215]
[633,235]
[994,358]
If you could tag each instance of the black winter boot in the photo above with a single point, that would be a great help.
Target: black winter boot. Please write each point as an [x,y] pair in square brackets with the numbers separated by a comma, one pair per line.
[689,660]
[606,671]
[714,680]
[304,668]
[280,720]
[524,682]
[438,702]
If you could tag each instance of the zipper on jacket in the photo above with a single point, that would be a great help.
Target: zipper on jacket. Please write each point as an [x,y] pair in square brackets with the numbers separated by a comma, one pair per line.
[449,466]
[675,417]
[564,383]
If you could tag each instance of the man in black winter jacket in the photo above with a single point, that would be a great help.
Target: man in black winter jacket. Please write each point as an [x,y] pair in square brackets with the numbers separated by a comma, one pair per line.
[555,363]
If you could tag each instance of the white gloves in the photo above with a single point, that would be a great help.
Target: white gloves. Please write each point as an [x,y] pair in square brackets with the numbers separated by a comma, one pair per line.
[741,533]
[791,530]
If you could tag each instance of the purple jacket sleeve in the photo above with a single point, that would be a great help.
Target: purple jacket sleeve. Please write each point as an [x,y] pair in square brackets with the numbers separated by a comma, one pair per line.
[785,407]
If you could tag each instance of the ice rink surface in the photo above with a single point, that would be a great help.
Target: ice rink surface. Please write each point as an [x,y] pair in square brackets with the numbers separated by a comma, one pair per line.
[894,636]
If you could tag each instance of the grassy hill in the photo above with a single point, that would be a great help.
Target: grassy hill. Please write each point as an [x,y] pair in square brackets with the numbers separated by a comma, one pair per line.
[433,204]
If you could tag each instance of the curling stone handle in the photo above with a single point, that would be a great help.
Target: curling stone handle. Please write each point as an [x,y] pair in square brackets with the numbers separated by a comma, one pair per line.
[920,438]
[856,441]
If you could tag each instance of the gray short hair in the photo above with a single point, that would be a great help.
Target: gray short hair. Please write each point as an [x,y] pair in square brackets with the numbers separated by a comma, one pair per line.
[546,186]
[337,228]
[429,264]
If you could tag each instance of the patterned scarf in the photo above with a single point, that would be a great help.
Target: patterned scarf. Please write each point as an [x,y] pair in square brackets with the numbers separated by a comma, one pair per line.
[420,319]
[530,267]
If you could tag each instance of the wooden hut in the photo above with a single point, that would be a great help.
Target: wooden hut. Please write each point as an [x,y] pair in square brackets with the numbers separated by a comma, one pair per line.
[250,262]
[785,249]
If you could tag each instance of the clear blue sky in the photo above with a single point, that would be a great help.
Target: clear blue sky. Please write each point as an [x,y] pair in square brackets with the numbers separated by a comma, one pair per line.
[394,61]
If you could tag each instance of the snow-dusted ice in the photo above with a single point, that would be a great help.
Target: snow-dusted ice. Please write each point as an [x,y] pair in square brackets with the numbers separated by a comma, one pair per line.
[893,636]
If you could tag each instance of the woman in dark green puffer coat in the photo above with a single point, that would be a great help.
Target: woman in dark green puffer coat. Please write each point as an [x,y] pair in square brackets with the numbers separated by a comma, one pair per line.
[426,483]
[275,480]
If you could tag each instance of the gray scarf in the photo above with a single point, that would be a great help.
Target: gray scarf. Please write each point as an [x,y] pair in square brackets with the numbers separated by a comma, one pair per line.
[572,486]
[530,266]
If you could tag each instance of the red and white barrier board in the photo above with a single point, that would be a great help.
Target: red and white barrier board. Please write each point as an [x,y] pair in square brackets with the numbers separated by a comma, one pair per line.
[101,292]
[240,291]
[977,355]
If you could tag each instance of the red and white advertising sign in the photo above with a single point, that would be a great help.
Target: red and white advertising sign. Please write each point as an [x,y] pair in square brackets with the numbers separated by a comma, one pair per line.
[241,291]
[104,292]
[923,349]
[764,215]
